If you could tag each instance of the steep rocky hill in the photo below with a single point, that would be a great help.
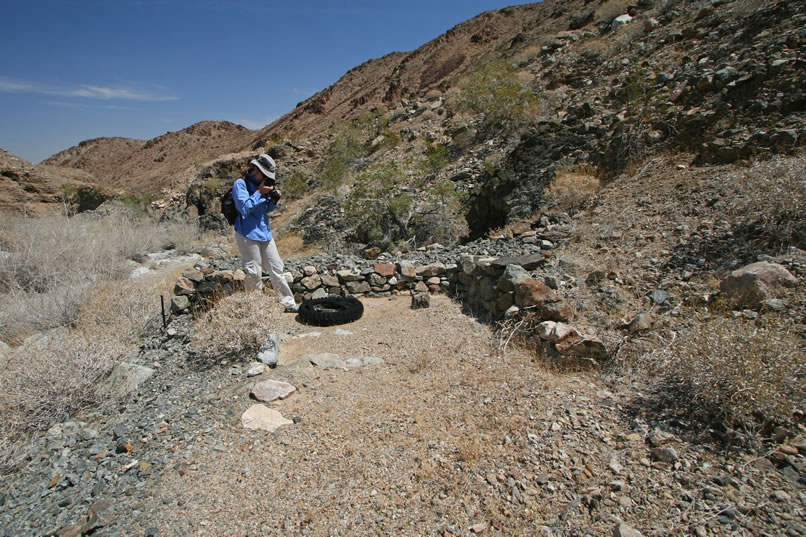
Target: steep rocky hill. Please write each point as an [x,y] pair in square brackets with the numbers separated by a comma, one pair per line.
[618,81]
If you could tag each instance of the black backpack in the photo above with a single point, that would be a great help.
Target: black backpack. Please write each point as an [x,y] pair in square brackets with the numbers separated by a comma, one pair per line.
[228,206]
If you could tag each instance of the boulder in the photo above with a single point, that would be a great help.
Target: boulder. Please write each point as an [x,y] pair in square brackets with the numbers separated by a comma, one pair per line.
[513,275]
[750,286]
[184,286]
[127,377]
[539,297]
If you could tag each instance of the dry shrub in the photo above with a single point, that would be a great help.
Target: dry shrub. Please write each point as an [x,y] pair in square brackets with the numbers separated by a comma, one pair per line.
[127,309]
[737,371]
[44,383]
[239,324]
[774,193]
[51,263]
[610,10]
[598,49]
[528,54]
[628,34]
[291,245]
[518,331]
[572,187]
[422,362]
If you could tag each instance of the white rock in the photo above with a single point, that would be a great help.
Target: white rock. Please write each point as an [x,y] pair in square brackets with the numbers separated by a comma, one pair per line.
[263,418]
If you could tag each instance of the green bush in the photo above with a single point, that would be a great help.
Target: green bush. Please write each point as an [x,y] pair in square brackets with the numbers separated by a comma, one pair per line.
[295,186]
[440,218]
[496,92]
[378,207]
[436,158]
[383,209]
[343,156]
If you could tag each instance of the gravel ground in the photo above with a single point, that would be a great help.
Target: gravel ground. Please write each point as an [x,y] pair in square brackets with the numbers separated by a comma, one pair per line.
[445,437]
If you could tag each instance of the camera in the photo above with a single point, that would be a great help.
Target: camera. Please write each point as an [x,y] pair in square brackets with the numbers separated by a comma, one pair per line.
[273,194]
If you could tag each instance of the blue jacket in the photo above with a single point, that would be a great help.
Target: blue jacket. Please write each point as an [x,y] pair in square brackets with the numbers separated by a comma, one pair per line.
[252,206]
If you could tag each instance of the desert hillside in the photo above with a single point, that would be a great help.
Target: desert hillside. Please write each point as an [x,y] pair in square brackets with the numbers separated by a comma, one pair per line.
[577,235]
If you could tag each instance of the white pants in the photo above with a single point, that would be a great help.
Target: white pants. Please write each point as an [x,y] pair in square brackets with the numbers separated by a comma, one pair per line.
[258,254]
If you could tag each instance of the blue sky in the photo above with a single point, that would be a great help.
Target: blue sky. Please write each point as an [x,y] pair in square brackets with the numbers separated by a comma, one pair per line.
[72,70]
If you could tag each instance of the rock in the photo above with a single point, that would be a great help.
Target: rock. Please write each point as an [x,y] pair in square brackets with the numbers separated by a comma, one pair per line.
[372,253]
[311,282]
[554,332]
[583,346]
[623,530]
[255,370]
[184,286]
[127,377]
[659,437]
[194,275]
[749,287]
[270,390]
[513,275]
[428,271]
[180,303]
[263,418]
[348,276]
[269,352]
[546,303]
[407,269]
[387,270]
[660,297]
[326,360]
[420,300]
[319,293]
[620,21]
[528,262]
[357,288]
[665,454]
[641,323]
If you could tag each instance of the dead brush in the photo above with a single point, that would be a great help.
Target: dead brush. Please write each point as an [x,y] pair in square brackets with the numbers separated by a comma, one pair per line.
[422,362]
[518,331]
[735,371]
[42,384]
[240,323]
[572,187]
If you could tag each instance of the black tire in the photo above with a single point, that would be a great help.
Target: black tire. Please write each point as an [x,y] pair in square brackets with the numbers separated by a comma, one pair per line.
[331,310]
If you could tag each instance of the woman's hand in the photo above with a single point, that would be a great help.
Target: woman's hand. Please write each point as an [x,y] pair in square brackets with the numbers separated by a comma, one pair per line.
[264,188]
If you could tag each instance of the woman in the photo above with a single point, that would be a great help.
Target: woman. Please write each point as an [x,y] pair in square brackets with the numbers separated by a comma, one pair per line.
[255,196]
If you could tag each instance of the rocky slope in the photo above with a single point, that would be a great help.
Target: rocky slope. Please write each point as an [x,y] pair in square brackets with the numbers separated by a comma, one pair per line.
[156,166]
[36,189]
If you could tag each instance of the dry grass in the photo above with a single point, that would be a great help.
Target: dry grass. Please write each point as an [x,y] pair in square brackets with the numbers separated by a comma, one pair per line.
[610,10]
[67,273]
[49,265]
[240,323]
[291,245]
[737,371]
[774,192]
[572,187]
[598,48]
[41,385]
